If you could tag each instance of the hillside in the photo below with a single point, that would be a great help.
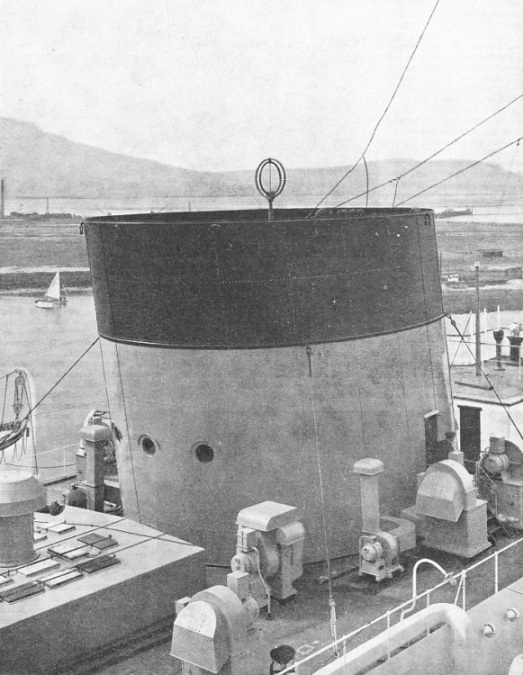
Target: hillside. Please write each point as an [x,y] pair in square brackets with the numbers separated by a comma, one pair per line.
[36,163]
[39,164]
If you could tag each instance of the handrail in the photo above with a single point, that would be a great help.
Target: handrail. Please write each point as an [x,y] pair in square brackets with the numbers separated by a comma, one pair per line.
[449,579]
[379,647]
[447,575]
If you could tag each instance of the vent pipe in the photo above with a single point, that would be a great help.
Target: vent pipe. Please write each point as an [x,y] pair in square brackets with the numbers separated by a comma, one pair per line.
[499,334]
[369,470]
[515,341]
[21,494]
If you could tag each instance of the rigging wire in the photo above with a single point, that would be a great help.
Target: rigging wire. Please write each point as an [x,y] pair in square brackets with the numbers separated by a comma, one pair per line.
[5,399]
[32,466]
[462,340]
[62,377]
[113,528]
[105,382]
[470,166]
[332,603]
[435,154]
[128,432]
[380,120]
[493,388]
[397,181]
[509,171]
[366,181]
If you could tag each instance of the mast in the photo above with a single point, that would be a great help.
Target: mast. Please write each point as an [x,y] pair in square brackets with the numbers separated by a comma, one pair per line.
[478,324]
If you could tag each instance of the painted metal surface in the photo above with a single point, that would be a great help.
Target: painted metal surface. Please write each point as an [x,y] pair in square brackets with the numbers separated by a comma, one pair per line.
[249,360]
[67,623]
[233,280]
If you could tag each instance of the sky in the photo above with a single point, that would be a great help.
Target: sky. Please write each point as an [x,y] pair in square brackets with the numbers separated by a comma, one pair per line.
[222,84]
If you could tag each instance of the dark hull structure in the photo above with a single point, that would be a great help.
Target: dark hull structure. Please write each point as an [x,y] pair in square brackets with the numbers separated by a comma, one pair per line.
[249,360]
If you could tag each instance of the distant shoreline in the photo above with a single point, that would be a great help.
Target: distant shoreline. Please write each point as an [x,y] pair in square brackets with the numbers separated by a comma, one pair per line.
[462,301]
[34,252]
[27,282]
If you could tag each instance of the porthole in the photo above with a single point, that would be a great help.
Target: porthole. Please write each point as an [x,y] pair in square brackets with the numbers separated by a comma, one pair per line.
[148,445]
[116,432]
[204,453]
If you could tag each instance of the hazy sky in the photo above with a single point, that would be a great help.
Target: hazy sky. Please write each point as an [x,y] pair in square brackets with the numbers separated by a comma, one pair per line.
[222,84]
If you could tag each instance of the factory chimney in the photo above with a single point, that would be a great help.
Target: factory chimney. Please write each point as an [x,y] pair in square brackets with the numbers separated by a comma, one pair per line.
[2,198]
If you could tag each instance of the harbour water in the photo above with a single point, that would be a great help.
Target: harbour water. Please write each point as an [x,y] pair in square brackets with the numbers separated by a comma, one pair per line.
[48,342]
[490,210]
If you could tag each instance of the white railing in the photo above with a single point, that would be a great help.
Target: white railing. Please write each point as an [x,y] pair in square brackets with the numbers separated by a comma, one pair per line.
[459,579]
[27,460]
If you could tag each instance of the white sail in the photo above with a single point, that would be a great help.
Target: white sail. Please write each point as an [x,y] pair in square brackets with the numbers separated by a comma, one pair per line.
[54,289]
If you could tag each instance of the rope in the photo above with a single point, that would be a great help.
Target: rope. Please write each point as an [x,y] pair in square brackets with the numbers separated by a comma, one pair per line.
[332,604]
[12,439]
[5,399]
[28,398]
[470,166]
[347,173]
[265,585]
[435,154]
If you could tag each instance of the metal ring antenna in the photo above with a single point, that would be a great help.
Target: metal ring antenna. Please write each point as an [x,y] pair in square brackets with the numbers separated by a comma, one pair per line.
[269,193]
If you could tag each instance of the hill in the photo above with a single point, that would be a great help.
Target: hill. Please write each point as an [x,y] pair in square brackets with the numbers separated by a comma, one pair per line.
[38,164]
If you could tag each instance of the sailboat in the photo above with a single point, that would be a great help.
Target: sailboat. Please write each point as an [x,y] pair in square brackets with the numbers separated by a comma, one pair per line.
[55,295]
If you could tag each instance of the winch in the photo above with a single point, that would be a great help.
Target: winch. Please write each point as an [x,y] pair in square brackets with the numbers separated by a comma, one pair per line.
[269,550]
[448,514]
[500,481]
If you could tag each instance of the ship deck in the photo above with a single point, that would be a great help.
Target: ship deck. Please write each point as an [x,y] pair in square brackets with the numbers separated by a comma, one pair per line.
[95,580]
[304,623]
[497,386]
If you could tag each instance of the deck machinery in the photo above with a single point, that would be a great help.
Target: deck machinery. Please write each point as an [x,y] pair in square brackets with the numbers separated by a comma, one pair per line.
[251,360]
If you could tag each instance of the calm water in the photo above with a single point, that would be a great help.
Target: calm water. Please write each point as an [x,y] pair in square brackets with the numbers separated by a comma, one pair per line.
[48,342]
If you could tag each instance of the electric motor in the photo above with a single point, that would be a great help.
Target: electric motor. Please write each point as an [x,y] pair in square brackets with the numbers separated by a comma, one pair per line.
[244,562]
[372,552]
[495,464]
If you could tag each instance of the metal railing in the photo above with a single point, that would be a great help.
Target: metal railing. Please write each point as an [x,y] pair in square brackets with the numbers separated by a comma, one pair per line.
[27,459]
[459,579]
